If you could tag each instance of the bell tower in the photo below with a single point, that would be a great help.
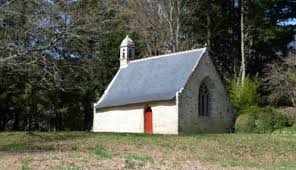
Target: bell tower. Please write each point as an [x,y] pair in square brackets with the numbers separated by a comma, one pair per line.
[127,51]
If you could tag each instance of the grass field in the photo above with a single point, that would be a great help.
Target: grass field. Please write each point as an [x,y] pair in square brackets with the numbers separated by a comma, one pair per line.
[82,150]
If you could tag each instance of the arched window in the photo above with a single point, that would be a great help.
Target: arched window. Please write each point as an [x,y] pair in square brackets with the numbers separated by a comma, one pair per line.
[203,100]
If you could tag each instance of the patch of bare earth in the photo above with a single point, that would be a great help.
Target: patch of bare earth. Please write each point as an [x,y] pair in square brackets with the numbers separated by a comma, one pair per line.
[82,159]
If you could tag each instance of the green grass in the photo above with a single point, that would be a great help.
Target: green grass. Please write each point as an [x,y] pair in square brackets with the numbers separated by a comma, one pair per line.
[100,152]
[137,161]
[263,151]
[139,158]
[12,147]
[70,167]
[286,131]
[25,167]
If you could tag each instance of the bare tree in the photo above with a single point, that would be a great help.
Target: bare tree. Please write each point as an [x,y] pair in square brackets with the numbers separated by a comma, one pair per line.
[159,23]
[40,33]
[280,81]
[246,33]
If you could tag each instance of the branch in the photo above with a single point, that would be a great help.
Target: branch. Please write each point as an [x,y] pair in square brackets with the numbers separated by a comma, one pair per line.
[53,41]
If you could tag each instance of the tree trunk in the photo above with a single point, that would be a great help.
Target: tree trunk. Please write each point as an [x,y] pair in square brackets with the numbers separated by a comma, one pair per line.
[16,121]
[209,27]
[243,60]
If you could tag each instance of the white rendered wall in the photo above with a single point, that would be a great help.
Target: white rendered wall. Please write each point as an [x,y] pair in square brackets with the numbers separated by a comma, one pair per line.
[130,118]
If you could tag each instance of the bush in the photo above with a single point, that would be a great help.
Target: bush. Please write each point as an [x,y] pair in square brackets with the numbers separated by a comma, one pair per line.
[290,113]
[286,131]
[260,120]
[245,123]
[243,96]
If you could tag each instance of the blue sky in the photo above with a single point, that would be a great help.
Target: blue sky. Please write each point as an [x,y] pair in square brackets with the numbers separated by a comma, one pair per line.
[289,22]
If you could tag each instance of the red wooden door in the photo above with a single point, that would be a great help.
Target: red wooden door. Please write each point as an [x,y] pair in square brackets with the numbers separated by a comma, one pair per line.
[148,126]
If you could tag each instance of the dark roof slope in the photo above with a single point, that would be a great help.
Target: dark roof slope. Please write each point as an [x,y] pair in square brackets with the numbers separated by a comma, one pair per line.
[151,79]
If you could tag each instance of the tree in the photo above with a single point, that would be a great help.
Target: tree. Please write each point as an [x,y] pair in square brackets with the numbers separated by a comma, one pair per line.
[50,51]
[242,72]
[259,23]
[215,23]
[266,37]
[169,26]
[160,24]
[279,82]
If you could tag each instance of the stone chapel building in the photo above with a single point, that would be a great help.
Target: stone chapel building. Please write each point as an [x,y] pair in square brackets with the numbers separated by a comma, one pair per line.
[174,93]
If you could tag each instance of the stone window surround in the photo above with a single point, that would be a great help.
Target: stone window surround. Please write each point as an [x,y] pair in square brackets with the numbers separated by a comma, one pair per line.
[212,96]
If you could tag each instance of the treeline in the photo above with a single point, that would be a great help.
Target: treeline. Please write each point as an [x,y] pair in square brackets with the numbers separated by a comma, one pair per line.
[57,57]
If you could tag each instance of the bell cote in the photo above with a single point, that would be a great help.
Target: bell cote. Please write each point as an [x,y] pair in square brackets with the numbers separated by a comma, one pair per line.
[127,51]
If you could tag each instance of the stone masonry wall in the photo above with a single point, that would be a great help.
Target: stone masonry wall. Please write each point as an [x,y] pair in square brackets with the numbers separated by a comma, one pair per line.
[220,118]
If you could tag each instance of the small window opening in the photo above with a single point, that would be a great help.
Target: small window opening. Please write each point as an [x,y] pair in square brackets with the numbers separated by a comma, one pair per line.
[130,53]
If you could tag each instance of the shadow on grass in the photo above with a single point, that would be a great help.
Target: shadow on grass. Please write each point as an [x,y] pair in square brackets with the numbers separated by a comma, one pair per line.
[51,141]
[12,147]
[39,141]
[56,136]
[35,148]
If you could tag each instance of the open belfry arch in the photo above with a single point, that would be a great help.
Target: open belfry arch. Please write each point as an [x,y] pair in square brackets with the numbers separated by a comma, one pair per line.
[169,94]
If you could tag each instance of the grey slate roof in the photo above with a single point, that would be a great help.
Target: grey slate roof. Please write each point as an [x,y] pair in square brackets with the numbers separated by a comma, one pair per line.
[152,79]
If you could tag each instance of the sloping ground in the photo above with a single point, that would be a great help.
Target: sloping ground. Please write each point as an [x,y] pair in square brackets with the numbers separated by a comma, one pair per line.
[82,150]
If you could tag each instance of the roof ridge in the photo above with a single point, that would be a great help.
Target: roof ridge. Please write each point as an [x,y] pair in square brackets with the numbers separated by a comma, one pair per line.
[166,55]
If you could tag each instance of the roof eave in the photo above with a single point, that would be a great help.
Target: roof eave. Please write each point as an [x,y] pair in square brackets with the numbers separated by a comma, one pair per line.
[120,105]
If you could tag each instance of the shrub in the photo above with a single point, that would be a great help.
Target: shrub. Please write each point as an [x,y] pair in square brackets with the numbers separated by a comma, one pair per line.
[260,120]
[286,131]
[243,96]
[290,113]
[245,123]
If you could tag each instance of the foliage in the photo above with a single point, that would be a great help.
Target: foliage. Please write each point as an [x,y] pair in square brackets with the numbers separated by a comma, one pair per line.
[245,123]
[168,25]
[269,33]
[290,113]
[260,120]
[279,83]
[55,60]
[57,57]
[286,131]
[244,96]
